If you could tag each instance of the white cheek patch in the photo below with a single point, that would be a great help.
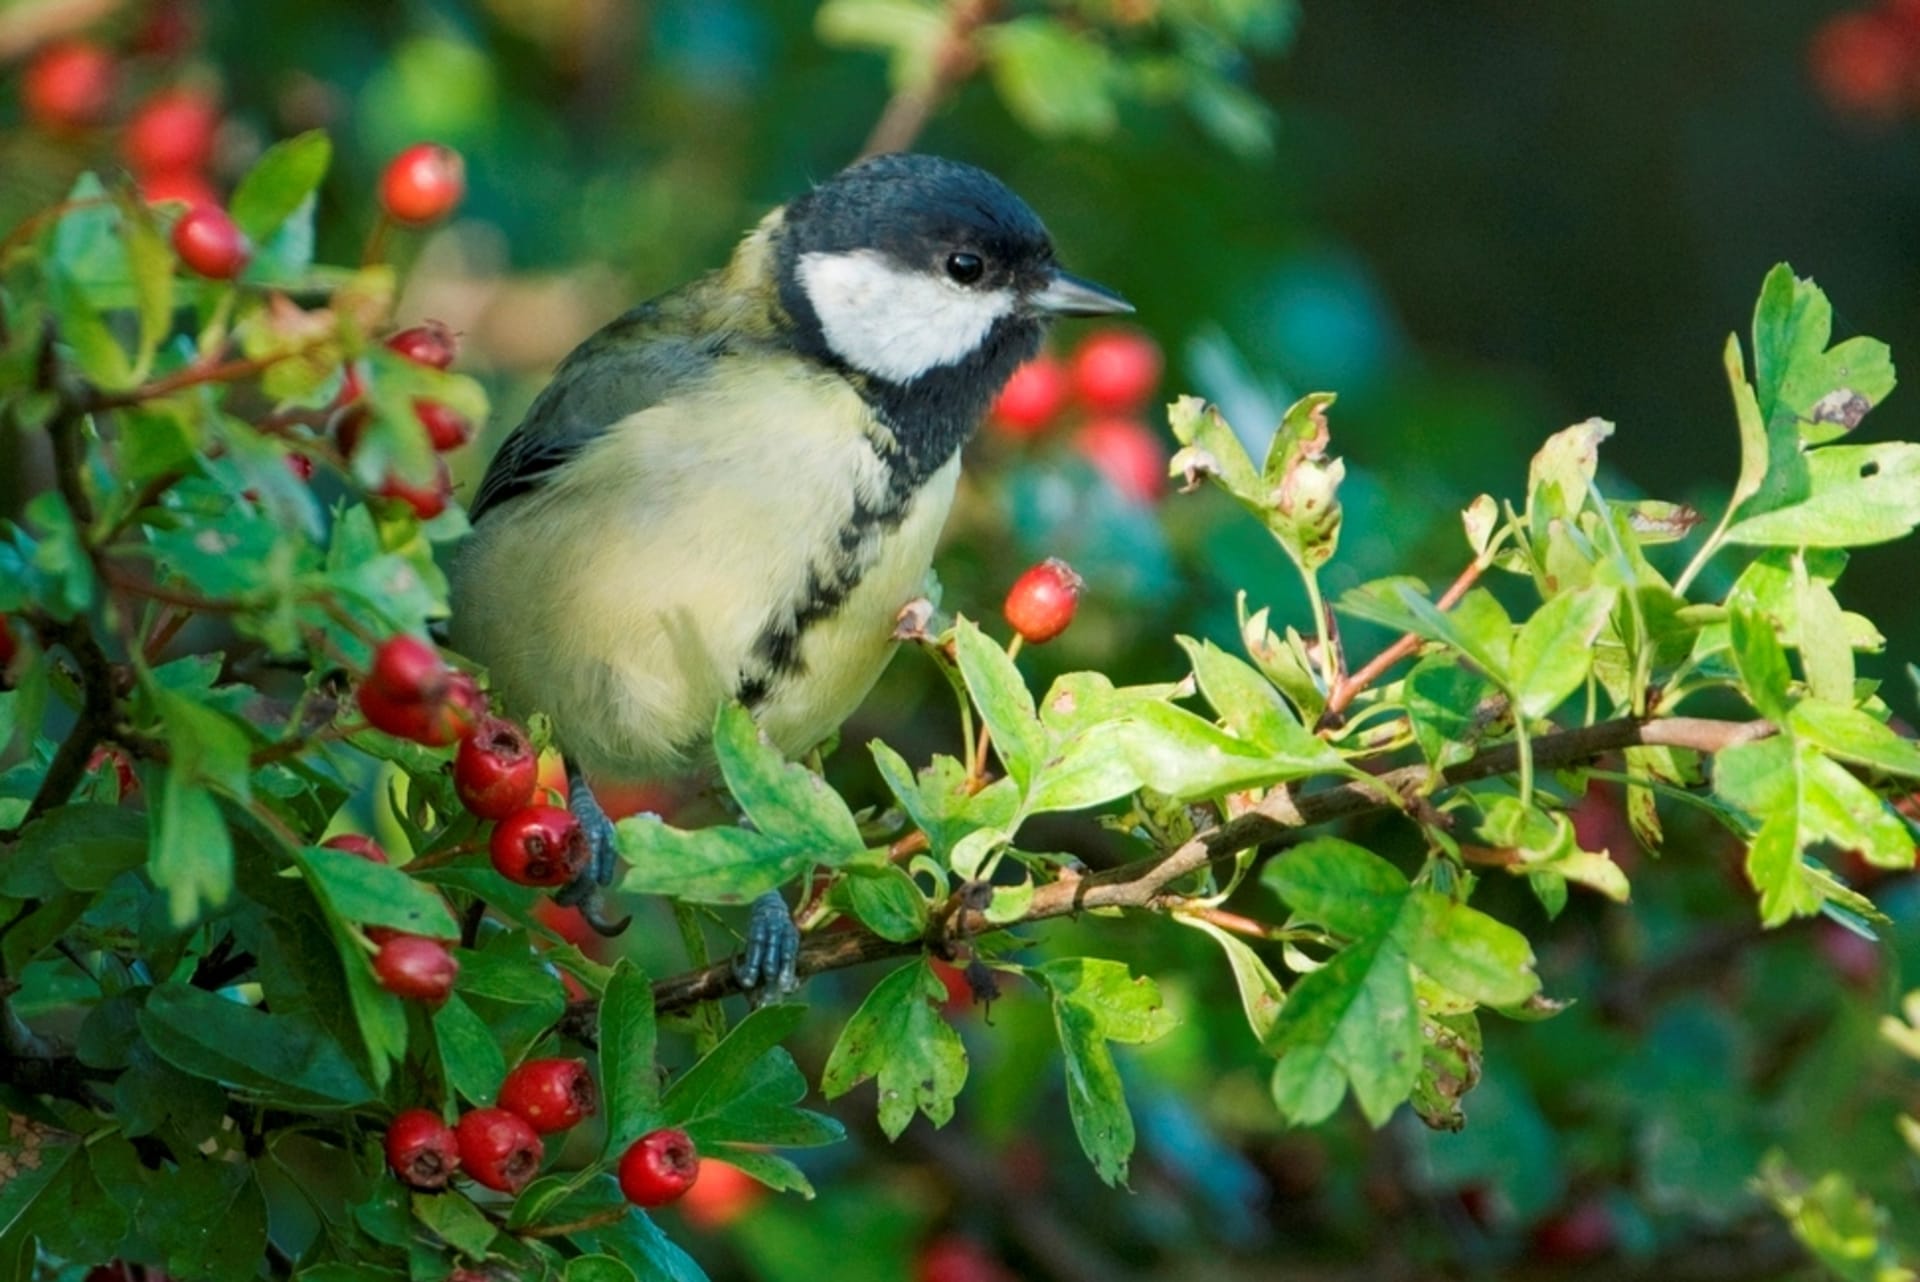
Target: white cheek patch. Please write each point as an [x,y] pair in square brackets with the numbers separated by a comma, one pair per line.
[894,323]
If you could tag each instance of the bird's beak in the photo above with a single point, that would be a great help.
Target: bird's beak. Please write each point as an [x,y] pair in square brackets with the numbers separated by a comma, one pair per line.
[1066,295]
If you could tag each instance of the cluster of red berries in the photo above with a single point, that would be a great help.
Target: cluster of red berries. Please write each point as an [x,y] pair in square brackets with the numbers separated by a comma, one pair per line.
[1866,62]
[433,345]
[412,693]
[499,1147]
[1107,382]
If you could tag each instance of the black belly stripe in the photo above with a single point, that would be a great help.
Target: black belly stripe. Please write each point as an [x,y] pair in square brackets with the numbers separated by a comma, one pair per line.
[856,547]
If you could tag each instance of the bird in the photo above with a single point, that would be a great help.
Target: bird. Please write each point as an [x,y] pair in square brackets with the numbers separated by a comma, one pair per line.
[730,491]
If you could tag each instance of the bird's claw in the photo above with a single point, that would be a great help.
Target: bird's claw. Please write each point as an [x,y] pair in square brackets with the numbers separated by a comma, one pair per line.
[584,890]
[768,968]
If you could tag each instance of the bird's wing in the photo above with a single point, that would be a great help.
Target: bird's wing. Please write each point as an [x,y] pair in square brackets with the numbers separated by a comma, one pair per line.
[632,364]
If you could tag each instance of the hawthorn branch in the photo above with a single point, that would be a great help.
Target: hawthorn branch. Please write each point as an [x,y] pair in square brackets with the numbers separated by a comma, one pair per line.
[955,61]
[1144,883]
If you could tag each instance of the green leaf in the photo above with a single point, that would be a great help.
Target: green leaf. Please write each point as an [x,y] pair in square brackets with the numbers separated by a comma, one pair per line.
[1805,803]
[150,268]
[718,865]
[375,894]
[638,1242]
[1005,703]
[1826,655]
[1303,484]
[1056,80]
[898,1038]
[1466,951]
[1764,675]
[280,1059]
[285,176]
[1753,427]
[1451,706]
[456,1221]
[1261,994]
[886,901]
[1852,735]
[472,1060]
[74,847]
[1858,495]
[1554,651]
[1349,1023]
[192,859]
[783,800]
[1095,1002]
[721,1072]
[598,1268]
[1338,885]
[629,1077]
[909,31]
[1244,699]
[1188,757]
[1210,448]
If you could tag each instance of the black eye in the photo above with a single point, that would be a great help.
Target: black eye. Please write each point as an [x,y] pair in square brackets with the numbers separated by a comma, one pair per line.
[965,267]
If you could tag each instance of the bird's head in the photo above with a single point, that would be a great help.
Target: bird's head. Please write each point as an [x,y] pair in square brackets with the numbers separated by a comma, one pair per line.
[908,268]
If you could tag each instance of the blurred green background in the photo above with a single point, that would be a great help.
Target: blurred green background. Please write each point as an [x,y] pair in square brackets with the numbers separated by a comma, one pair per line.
[1477,223]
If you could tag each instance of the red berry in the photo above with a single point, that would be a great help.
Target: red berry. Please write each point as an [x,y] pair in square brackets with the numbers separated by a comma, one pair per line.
[429,343]
[184,186]
[411,693]
[1032,398]
[495,769]
[172,130]
[1580,1232]
[447,428]
[539,846]
[415,967]
[422,1149]
[721,1195]
[210,243]
[954,1258]
[1128,454]
[427,499]
[552,1094]
[1041,602]
[423,183]
[1116,370]
[408,669]
[499,1149]
[355,844]
[1863,63]
[659,1167]
[301,466]
[68,86]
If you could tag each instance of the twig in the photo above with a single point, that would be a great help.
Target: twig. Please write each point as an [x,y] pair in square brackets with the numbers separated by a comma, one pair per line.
[1348,688]
[1143,883]
[957,59]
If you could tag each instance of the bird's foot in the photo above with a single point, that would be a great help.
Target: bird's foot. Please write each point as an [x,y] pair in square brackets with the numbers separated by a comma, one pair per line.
[767,970]
[584,890]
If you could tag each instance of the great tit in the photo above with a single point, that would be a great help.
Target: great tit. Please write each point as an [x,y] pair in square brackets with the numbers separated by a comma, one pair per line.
[730,491]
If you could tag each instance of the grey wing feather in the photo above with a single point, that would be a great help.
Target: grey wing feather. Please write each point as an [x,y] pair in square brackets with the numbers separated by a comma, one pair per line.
[628,366]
